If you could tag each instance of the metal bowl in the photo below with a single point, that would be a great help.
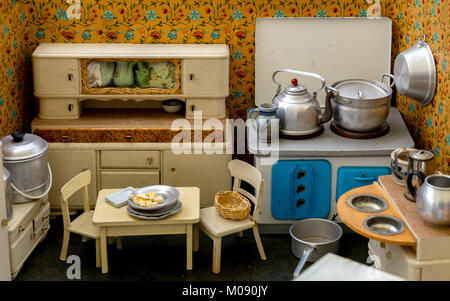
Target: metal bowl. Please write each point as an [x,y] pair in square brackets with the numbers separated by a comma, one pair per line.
[172,105]
[169,194]
[384,225]
[367,203]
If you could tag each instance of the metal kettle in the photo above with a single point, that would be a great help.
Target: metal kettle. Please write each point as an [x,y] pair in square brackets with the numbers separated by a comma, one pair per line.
[298,110]
[421,163]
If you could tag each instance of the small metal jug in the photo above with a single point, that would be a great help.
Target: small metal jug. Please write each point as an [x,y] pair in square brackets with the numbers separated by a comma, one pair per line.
[421,163]
[265,122]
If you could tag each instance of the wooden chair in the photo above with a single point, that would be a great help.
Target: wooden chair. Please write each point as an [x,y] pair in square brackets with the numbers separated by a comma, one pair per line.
[216,227]
[82,224]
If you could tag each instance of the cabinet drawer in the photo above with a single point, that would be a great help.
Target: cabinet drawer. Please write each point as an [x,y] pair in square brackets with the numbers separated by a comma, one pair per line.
[56,76]
[212,108]
[20,249]
[130,159]
[205,76]
[41,220]
[59,108]
[125,178]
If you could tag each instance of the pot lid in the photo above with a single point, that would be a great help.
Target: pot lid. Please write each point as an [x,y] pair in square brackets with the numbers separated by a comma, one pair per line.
[295,88]
[21,146]
[361,89]
[421,155]
[6,175]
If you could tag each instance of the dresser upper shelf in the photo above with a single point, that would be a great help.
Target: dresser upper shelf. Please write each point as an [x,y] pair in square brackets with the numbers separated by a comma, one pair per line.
[128,50]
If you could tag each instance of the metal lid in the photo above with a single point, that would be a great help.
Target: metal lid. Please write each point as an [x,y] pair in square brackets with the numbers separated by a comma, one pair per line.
[6,175]
[20,146]
[421,155]
[361,89]
[295,88]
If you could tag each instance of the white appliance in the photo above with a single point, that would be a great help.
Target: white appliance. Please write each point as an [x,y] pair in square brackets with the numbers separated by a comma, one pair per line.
[309,175]
[5,272]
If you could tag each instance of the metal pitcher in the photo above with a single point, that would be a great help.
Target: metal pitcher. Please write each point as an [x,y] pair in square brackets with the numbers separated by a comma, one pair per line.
[265,122]
[421,163]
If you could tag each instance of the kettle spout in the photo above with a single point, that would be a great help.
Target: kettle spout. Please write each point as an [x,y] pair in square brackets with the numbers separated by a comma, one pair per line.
[328,113]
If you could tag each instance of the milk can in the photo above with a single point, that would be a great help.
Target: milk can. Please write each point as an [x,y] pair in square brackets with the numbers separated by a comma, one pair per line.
[25,157]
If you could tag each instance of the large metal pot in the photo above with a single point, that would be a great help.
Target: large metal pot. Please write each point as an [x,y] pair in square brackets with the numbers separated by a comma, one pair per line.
[433,200]
[312,238]
[8,193]
[25,156]
[415,72]
[298,110]
[360,105]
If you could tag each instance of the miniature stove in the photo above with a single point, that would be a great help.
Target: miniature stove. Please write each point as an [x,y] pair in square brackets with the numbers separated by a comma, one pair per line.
[305,178]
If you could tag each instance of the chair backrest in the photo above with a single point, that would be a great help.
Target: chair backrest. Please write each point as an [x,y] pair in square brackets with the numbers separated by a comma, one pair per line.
[242,171]
[80,181]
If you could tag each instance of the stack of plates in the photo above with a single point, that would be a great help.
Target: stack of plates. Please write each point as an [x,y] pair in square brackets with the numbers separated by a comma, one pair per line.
[170,206]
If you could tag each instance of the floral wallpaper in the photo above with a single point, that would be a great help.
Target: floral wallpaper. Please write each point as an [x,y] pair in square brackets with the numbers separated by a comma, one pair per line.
[428,125]
[27,23]
[16,100]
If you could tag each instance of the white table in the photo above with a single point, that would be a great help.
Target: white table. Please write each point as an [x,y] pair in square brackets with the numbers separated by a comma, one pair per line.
[117,222]
[332,267]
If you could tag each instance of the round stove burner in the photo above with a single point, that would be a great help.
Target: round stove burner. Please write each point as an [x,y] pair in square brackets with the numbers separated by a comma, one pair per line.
[302,137]
[356,135]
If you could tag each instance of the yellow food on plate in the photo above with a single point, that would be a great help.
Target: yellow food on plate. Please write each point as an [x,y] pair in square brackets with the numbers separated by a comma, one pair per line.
[148,200]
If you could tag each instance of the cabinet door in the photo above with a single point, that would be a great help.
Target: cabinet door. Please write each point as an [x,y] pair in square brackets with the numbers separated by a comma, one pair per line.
[208,172]
[56,76]
[301,189]
[124,178]
[350,177]
[205,77]
[67,164]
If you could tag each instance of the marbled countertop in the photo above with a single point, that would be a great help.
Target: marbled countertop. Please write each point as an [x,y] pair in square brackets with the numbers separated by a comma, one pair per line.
[117,125]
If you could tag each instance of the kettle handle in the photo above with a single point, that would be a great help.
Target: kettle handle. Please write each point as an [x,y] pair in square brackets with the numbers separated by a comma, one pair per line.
[307,74]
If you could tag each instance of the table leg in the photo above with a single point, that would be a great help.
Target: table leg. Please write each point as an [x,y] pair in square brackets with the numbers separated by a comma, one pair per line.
[196,237]
[104,250]
[189,244]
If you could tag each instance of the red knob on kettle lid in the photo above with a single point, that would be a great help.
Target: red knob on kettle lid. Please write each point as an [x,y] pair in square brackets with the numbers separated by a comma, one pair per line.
[294,82]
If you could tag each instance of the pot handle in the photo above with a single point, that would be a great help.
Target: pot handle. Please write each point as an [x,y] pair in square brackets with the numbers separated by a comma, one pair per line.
[307,74]
[306,253]
[388,75]
[411,188]
[39,196]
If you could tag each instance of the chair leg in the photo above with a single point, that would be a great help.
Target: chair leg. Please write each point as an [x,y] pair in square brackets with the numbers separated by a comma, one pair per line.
[217,246]
[65,245]
[240,234]
[119,243]
[97,253]
[259,243]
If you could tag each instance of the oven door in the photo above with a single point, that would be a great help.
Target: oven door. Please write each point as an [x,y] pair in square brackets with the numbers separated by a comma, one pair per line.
[301,189]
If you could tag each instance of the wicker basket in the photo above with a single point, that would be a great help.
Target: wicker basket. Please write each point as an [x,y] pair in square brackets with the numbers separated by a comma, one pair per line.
[87,90]
[232,205]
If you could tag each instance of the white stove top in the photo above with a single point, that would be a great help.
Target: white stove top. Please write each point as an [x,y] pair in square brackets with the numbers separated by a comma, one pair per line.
[331,144]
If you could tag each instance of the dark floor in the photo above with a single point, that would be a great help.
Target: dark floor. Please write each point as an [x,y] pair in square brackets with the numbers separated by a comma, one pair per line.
[163,258]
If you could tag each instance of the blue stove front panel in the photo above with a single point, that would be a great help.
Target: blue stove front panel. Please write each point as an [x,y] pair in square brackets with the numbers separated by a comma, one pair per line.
[301,189]
[350,177]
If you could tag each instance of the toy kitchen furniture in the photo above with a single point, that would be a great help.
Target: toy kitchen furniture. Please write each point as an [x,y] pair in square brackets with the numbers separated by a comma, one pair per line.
[305,178]
[66,75]
[402,243]
[27,228]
